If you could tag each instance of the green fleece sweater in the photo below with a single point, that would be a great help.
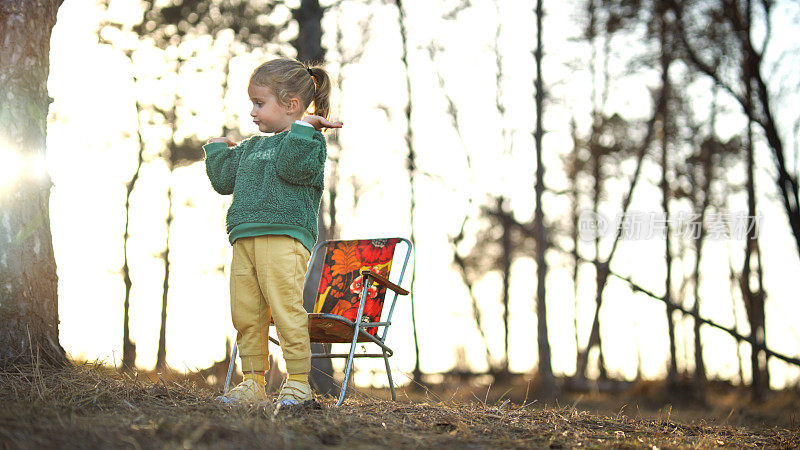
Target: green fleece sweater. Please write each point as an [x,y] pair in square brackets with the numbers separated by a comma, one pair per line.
[276,182]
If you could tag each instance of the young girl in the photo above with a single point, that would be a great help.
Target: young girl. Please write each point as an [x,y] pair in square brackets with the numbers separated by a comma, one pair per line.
[277,183]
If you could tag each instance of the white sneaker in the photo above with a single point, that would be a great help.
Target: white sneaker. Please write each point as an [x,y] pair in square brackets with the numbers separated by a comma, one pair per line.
[247,391]
[294,392]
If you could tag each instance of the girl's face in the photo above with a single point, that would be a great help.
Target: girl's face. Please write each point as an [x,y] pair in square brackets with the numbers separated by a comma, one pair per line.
[268,113]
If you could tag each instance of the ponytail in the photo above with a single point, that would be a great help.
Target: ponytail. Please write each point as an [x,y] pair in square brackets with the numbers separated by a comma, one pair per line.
[322,91]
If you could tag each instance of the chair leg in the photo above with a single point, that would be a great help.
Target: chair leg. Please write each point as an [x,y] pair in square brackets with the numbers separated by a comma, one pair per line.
[230,368]
[389,373]
[356,329]
[347,370]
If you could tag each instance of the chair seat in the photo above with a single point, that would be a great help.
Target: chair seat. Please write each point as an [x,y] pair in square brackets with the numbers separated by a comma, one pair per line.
[331,329]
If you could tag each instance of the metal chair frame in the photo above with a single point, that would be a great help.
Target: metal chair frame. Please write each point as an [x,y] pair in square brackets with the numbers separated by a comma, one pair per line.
[359,327]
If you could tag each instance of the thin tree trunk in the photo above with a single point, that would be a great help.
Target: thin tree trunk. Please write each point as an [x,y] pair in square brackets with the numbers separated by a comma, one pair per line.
[411,165]
[699,364]
[545,368]
[506,245]
[597,153]
[28,280]
[161,357]
[128,346]
[506,253]
[760,310]
[705,162]
[733,286]
[673,365]
[664,114]
[754,300]
[600,275]
[171,160]
[574,206]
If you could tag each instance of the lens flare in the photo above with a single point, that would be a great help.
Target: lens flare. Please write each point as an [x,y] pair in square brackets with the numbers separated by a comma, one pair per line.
[10,167]
[15,167]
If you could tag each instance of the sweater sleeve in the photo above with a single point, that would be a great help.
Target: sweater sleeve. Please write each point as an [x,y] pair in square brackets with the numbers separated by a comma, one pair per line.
[301,156]
[222,162]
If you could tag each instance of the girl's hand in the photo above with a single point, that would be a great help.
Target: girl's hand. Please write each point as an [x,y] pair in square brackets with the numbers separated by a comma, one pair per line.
[319,122]
[223,139]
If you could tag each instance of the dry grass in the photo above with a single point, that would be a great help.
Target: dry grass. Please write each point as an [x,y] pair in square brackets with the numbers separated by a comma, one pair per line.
[91,407]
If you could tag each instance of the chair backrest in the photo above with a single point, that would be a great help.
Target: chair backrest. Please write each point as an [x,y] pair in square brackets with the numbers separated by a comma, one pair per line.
[340,281]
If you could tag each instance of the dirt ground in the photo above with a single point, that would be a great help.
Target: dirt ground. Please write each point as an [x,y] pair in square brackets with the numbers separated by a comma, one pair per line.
[89,406]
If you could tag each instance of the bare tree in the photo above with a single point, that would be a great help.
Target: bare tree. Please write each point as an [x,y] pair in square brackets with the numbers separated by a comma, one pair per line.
[540,232]
[411,165]
[619,132]
[501,238]
[735,62]
[128,346]
[468,268]
[731,58]
[666,134]
[710,155]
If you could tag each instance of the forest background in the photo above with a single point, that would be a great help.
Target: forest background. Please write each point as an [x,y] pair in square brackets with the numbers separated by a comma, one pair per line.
[643,108]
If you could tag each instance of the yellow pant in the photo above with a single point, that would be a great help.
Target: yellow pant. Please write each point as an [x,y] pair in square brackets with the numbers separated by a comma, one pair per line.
[267,275]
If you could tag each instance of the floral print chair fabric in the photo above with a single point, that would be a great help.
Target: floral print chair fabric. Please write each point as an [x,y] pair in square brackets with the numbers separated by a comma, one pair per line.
[341,285]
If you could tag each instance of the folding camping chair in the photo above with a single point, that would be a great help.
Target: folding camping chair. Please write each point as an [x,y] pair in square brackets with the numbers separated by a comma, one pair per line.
[351,287]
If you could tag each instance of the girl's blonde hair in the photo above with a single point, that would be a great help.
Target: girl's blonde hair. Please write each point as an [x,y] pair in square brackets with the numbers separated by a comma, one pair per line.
[289,78]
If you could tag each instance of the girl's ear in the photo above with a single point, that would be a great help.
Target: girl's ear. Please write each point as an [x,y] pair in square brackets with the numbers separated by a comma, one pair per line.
[293,106]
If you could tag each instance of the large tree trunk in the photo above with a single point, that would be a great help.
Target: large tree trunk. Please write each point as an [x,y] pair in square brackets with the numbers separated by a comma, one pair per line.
[309,33]
[28,281]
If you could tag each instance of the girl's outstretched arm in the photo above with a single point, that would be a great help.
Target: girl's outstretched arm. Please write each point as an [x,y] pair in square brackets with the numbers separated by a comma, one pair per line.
[319,122]
[225,140]
[222,162]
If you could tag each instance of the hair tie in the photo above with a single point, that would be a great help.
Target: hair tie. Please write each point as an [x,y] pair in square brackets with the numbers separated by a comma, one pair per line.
[313,80]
